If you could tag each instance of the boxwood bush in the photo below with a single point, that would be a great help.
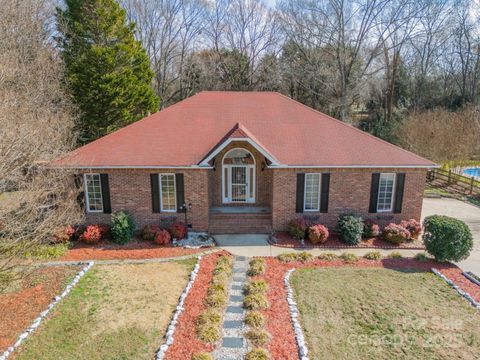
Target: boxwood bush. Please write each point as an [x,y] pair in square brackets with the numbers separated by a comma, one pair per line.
[350,228]
[446,238]
[122,227]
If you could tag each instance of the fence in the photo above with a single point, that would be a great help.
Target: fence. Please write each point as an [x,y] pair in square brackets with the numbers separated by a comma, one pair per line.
[456,182]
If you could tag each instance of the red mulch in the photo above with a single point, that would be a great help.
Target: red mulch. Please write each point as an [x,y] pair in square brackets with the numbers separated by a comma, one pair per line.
[186,342]
[277,317]
[137,249]
[285,240]
[20,308]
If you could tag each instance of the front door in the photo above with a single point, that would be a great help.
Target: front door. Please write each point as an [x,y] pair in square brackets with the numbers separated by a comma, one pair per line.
[238,184]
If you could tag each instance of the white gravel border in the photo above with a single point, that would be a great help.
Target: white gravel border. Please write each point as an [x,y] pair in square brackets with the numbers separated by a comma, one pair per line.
[460,291]
[294,313]
[44,313]
[173,323]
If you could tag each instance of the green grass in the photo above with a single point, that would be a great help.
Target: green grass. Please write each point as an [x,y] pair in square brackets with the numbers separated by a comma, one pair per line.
[111,317]
[47,252]
[384,314]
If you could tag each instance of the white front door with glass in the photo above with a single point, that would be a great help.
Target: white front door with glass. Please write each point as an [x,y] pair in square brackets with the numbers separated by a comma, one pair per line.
[238,177]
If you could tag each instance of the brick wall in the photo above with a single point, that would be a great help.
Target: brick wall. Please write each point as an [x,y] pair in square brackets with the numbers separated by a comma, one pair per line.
[349,192]
[130,191]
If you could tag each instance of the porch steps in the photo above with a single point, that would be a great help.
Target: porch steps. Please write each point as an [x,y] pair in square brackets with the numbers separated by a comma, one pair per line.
[240,223]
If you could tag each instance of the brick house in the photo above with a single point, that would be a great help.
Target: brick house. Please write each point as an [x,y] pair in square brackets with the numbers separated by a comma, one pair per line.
[246,162]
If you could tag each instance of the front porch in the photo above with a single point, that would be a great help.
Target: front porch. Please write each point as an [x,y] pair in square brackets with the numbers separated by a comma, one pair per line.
[240,220]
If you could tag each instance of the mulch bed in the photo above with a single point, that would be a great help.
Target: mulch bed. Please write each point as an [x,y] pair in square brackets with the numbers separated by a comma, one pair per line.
[283,239]
[19,308]
[277,317]
[186,342]
[136,249]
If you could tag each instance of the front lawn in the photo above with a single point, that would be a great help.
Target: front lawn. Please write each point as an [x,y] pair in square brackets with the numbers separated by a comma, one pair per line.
[115,312]
[384,314]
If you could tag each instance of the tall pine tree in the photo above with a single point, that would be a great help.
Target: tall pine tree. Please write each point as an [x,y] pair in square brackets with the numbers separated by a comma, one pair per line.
[107,70]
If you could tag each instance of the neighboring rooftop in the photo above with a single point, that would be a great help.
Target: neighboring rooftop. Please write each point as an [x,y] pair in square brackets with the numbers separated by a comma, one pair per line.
[293,134]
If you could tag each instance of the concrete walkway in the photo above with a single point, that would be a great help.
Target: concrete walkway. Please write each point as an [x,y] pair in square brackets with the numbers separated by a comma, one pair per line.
[234,344]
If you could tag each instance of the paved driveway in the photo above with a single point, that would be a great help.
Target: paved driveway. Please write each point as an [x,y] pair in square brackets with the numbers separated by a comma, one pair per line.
[463,211]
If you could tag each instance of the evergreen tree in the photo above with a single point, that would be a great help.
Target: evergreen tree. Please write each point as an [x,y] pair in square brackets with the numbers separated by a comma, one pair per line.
[107,70]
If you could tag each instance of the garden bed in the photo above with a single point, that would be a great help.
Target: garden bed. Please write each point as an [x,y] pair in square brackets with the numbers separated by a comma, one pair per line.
[283,239]
[135,249]
[25,298]
[283,343]
[115,311]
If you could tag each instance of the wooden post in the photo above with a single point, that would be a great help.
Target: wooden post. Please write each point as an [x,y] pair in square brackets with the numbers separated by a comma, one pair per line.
[471,185]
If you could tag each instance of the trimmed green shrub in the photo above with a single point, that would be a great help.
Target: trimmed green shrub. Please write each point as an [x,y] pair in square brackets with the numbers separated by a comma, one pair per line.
[373,255]
[349,257]
[257,267]
[421,257]
[255,302]
[395,255]
[447,238]
[122,227]
[256,287]
[202,356]
[257,337]
[350,228]
[254,319]
[297,228]
[257,354]
[328,256]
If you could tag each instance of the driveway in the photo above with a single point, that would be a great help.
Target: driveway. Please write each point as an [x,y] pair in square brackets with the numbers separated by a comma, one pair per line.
[463,211]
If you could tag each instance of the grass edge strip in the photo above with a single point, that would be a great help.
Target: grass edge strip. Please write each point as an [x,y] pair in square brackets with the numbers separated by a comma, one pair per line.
[292,308]
[178,310]
[43,314]
[463,293]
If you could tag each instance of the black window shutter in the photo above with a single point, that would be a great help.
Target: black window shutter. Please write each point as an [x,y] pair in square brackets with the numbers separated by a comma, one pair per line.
[325,191]
[78,181]
[155,193]
[107,207]
[180,192]
[300,192]
[374,193]
[400,184]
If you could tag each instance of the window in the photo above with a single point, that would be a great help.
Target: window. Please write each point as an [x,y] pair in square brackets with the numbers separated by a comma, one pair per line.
[168,198]
[385,192]
[312,192]
[93,193]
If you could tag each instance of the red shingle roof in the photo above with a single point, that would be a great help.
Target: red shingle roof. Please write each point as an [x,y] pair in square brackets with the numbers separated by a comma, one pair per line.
[294,134]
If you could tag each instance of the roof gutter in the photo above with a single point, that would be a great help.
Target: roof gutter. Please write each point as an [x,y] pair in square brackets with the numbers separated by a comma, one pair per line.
[191,167]
[433,166]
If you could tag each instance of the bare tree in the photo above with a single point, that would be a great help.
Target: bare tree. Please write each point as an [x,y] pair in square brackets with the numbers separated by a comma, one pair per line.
[36,125]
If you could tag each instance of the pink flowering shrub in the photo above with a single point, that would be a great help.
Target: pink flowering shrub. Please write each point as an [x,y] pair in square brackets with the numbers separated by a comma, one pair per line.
[395,234]
[297,228]
[318,234]
[162,237]
[413,226]
[178,230]
[92,234]
[149,232]
[370,229]
[63,234]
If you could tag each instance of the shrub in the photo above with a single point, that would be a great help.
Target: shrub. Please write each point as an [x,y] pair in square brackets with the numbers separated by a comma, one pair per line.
[413,226]
[162,237]
[104,230]
[446,238]
[287,257]
[421,257]
[297,228]
[257,337]
[328,256]
[255,302]
[395,234]
[178,230]
[122,227]
[256,287]
[216,299]
[209,332]
[149,232]
[349,257]
[318,234]
[202,356]
[350,228]
[254,319]
[395,255]
[257,267]
[257,354]
[91,235]
[304,256]
[209,316]
[63,235]
[373,255]
[370,229]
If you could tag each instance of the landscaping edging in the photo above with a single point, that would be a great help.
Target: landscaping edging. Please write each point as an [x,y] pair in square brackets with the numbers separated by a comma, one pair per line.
[457,289]
[173,323]
[43,314]
[292,307]
[468,275]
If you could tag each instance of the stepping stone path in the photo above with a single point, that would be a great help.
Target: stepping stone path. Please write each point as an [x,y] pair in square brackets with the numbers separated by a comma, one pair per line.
[234,344]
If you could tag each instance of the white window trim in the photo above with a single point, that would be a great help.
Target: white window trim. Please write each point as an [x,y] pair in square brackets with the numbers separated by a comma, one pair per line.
[390,209]
[85,187]
[174,192]
[319,192]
